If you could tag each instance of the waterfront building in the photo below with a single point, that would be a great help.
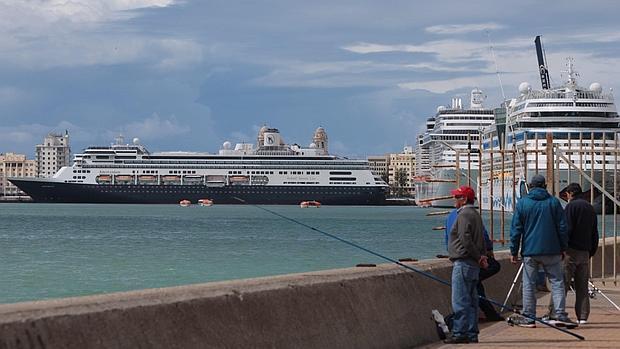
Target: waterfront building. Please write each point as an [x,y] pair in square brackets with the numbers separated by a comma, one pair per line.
[379,165]
[53,154]
[14,165]
[402,164]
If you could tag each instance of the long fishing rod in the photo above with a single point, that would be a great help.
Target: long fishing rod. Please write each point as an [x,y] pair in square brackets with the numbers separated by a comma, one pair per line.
[428,275]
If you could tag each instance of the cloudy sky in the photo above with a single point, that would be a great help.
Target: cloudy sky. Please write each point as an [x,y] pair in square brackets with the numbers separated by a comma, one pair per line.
[191,74]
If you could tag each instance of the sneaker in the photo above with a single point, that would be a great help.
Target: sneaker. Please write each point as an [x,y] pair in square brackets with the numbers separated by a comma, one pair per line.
[456,340]
[562,321]
[582,322]
[521,322]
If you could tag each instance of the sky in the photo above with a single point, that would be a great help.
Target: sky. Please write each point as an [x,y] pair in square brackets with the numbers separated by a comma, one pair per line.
[192,74]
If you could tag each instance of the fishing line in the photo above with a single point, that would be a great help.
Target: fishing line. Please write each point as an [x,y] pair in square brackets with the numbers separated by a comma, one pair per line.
[428,275]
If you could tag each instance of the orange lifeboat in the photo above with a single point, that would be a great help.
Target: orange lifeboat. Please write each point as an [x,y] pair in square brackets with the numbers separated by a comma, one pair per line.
[306,204]
[205,202]
[185,203]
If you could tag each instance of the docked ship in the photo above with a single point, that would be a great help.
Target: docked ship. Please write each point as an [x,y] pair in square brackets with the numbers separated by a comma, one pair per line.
[270,173]
[584,126]
[452,130]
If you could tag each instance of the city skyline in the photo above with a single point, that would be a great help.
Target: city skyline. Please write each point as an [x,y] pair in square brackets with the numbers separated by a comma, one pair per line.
[188,75]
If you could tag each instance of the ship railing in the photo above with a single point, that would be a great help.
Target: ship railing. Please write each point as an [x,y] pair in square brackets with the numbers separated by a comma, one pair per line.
[502,178]
[550,94]
[604,181]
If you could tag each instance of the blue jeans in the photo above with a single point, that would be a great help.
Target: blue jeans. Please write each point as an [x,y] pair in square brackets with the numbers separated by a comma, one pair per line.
[465,298]
[555,273]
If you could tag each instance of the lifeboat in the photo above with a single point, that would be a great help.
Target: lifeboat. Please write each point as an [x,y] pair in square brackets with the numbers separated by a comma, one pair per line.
[306,204]
[123,179]
[104,179]
[205,202]
[185,203]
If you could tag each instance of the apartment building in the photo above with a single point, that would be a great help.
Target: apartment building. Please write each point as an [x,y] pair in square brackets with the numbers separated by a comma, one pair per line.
[14,165]
[53,154]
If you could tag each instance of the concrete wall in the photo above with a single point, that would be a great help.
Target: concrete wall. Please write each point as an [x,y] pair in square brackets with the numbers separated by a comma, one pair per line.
[382,307]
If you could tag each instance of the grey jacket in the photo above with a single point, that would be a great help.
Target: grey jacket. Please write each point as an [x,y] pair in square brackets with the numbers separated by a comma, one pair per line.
[466,237]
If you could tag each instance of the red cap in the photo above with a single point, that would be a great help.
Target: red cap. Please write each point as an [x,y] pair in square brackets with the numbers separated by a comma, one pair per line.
[466,192]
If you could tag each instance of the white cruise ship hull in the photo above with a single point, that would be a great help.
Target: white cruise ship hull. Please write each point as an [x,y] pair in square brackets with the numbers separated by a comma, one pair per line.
[496,201]
[441,185]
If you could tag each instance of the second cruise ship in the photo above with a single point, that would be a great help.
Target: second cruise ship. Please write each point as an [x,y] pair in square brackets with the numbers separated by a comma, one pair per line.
[453,129]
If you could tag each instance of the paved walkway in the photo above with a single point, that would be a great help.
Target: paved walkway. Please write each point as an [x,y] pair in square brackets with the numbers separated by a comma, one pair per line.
[601,331]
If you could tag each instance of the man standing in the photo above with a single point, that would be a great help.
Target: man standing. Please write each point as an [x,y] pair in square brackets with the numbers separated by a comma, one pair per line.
[467,252]
[582,245]
[539,232]
[494,267]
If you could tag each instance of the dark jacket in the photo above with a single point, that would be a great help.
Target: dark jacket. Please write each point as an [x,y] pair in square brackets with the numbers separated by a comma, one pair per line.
[538,225]
[582,226]
[466,241]
[451,219]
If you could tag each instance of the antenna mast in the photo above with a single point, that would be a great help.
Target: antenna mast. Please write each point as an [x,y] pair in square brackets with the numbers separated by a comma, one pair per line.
[542,64]
[499,77]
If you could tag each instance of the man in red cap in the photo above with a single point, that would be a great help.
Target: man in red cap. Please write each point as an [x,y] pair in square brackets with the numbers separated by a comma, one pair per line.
[467,251]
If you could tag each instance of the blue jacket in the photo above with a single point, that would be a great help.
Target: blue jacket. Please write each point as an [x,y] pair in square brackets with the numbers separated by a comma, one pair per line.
[538,225]
[451,219]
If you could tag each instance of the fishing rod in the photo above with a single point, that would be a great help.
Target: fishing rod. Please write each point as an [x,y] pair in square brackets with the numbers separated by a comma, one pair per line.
[428,275]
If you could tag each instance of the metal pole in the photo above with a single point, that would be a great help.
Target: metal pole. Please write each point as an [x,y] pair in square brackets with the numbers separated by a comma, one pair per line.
[592,166]
[525,155]
[457,170]
[549,158]
[514,184]
[469,159]
[480,172]
[570,157]
[536,152]
[492,198]
[615,208]
[604,153]
[503,179]
[581,157]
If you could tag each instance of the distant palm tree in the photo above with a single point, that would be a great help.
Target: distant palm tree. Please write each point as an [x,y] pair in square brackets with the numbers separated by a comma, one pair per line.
[400,181]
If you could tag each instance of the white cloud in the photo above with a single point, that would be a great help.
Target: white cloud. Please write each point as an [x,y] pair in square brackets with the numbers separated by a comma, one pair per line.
[153,128]
[443,86]
[450,51]
[65,33]
[35,14]
[462,28]
[9,94]
[23,138]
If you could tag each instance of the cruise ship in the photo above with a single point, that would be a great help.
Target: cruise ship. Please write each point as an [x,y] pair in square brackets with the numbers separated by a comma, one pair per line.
[579,119]
[453,129]
[270,173]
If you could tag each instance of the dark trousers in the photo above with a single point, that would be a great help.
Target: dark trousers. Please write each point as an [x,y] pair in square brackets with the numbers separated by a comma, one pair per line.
[577,274]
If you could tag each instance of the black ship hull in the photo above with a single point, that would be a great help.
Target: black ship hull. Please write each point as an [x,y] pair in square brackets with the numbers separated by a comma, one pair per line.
[48,191]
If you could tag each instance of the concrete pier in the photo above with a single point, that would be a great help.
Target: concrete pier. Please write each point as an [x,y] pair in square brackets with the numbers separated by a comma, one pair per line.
[367,307]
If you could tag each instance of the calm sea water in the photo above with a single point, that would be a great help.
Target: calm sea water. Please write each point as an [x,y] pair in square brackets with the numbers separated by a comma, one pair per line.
[60,250]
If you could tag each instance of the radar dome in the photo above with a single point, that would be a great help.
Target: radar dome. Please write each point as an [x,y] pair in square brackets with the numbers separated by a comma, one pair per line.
[136,141]
[312,146]
[524,88]
[226,145]
[596,87]
[440,108]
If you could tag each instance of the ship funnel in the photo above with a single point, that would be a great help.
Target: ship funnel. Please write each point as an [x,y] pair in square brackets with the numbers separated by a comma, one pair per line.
[272,139]
[457,103]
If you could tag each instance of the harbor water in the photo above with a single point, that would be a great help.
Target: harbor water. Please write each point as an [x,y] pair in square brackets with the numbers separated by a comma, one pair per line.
[62,250]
